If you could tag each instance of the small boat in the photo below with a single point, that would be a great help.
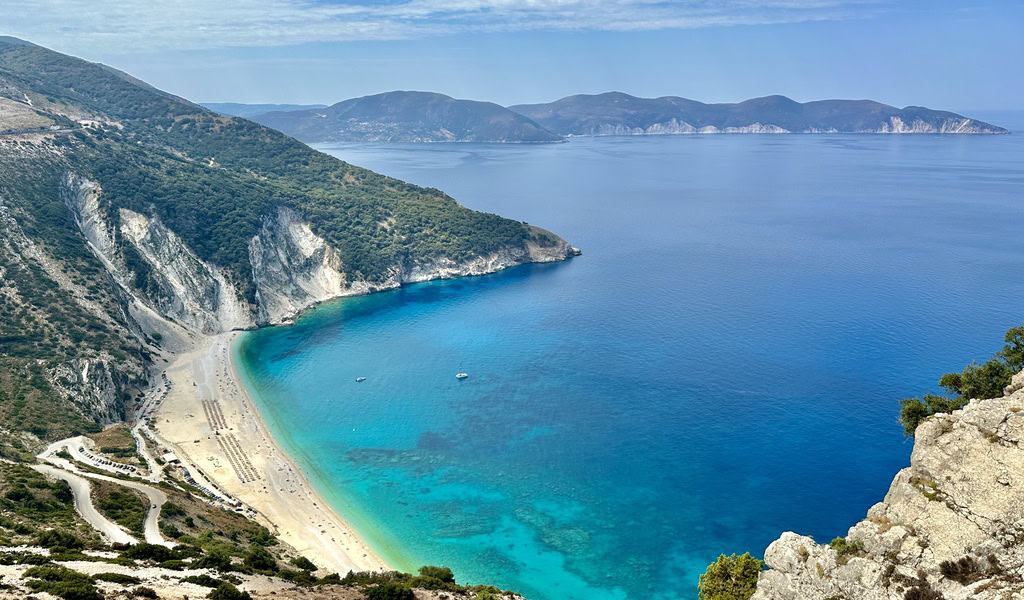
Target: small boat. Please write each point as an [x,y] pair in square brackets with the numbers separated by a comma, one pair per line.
[358,379]
[461,375]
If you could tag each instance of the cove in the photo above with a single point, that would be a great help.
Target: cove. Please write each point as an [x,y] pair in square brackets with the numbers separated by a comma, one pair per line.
[722,364]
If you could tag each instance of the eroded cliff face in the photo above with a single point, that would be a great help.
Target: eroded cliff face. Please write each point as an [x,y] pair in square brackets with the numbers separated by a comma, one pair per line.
[95,386]
[292,269]
[897,125]
[892,125]
[951,525]
[676,127]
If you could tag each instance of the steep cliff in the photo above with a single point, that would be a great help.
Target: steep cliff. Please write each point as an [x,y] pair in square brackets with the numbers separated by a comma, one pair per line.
[951,526]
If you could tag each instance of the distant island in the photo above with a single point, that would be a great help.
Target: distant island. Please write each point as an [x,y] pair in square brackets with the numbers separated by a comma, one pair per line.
[247,111]
[407,117]
[430,117]
[615,113]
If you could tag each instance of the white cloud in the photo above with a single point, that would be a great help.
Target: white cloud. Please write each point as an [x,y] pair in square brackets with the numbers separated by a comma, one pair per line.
[88,26]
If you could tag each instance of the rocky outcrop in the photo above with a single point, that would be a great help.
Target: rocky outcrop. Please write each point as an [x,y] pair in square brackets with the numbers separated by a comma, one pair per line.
[893,125]
[676,127]
[953,125]
[95,386]
[292,269]
[951,525]
[185,289]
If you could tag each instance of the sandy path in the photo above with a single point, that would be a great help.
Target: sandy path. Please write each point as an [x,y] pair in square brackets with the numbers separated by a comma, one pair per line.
[211,423]
[83,504]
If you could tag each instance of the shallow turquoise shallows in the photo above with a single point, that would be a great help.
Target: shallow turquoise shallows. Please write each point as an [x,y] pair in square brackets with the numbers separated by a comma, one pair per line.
[722,364]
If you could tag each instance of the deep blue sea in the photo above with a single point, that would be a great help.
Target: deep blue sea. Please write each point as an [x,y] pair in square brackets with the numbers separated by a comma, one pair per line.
[722,364]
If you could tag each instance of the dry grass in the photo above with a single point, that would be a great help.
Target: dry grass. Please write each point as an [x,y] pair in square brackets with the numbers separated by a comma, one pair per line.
[117,444]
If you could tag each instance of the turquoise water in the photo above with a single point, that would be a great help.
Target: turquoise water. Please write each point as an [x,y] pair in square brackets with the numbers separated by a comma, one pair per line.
[722,364]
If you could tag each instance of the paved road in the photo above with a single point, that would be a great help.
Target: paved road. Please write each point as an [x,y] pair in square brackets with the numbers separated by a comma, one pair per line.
[83,504]
[156,498]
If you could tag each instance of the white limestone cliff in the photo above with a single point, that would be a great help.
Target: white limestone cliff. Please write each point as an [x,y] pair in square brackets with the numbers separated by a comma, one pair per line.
[951,526]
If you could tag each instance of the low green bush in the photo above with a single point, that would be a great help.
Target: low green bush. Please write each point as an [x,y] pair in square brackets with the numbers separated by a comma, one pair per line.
[62,582]
[203,580]
[226,591]
[117,578]
[390,591]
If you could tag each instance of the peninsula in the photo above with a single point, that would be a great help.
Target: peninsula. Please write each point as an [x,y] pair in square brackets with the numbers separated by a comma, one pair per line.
[408,117]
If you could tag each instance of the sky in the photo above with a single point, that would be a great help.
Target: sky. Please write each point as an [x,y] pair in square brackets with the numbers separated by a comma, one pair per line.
[940,54]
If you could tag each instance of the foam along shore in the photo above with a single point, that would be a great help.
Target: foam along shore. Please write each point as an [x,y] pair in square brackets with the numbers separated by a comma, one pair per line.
[209,420]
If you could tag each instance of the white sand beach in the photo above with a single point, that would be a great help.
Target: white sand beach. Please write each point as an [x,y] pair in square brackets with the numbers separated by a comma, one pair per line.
[209,421]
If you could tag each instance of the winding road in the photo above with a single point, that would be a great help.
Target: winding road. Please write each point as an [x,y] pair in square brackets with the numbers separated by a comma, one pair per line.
[63,469]
[83,504]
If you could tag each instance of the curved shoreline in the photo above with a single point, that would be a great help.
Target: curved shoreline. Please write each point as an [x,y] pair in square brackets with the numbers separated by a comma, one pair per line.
[210,421]
[310,474]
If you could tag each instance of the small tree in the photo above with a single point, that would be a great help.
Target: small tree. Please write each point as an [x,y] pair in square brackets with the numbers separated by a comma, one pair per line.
[730,578]
[441,573]
[914,411]
[259,558]
[979,381]
[1013,351]
[303,563]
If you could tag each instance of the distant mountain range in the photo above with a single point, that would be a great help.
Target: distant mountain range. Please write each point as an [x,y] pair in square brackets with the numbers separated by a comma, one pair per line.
[615,113]
[407,117]
[246,111]
[430,117]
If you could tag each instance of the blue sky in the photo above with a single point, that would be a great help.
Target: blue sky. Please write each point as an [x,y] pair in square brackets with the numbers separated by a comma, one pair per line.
[953,55]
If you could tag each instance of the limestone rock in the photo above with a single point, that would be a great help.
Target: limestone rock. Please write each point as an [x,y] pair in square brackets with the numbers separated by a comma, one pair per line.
[960,501]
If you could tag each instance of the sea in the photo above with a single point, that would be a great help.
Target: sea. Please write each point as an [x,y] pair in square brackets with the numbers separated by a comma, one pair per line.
[722,364]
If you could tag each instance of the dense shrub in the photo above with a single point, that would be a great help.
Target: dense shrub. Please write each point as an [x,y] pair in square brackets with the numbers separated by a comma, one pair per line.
[297,577]
[390,591]
[144,551]
[259,559]
[730,578]
[845,547]
[263,537]
[303,563]
[203,580]
[441,573]
[62,582]
[964,571]
[59,540]
[215,559]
